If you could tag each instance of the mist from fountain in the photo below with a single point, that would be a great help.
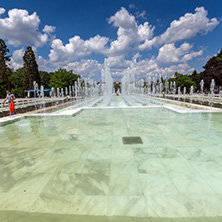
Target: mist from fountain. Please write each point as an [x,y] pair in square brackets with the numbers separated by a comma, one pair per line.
[191,94]
[201,90]
[212,88]
[107,83]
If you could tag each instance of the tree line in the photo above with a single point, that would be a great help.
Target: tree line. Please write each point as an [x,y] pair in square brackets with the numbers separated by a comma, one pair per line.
[22,79]
[212,70]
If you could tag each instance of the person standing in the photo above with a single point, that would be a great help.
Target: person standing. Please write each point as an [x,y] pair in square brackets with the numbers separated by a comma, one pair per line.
[11,105]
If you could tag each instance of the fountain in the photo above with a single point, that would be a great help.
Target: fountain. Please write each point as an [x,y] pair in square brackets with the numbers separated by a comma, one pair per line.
[179,93]
[184,93]
[201,90]
[107,82]
[70,91]
[36,90]
[174,87]
[167,86]
[191,93]
[212,88]
[58,93]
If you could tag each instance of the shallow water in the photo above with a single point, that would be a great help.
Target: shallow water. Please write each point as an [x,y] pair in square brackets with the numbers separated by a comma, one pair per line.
[78,167]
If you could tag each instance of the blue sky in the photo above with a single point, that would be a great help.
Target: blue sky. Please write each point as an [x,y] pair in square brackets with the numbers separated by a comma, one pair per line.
[157,36]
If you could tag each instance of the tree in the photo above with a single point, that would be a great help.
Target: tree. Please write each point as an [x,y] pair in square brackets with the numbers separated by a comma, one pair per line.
[213,70]
[63,78]
[45,78]
[4,70]
[196,77]
[183,81]
[117,87]
[31,68]
[17,79]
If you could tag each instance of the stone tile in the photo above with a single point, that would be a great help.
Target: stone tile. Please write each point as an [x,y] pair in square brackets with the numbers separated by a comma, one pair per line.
[89,205]
[167,206]
[62,184]
[165,219]
[132,206]
[52,203]
[141,154]
[17,201]
[123,167]
[157,184]
[190,183]
[125,185]
[203,205]
[122,155]
[96,166]
[206,166]
[93,184]
[150,165]
[84,218]
[11,216]
[214,180]
[31,183]
[177,165]
[75,166]
[167,152]
[128,219]
[99,154]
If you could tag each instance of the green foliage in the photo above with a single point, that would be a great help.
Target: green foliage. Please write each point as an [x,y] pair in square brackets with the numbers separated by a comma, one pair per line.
[17,80]
[3,88]
[4,69]
[219,56]
[63,78]
[45,78]
[116,87]
[196,77]
[183,81]
[31,67]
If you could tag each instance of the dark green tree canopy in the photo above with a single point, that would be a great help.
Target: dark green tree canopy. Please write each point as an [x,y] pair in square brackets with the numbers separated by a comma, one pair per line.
[17,79]
[183,81]
[212,70]
[31,67]
[45,78]
[5,71]
[4,51]
[63,78]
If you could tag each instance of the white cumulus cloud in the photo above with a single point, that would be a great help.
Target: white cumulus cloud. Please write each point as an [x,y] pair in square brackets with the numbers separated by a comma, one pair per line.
[129,34]
[22,28]
[86,67]
[49,29]
[169,54]
[76,48]
[186,27]
[2,11]
[17,59]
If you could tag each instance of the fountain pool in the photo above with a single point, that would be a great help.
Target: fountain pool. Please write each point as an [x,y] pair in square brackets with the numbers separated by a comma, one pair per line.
[77,168]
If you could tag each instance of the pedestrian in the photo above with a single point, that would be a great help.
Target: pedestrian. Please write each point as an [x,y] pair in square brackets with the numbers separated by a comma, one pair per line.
[163,94]
[11,105]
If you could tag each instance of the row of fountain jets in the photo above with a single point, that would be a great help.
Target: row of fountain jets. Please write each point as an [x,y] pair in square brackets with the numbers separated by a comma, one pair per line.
[154,86]
[82,88]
